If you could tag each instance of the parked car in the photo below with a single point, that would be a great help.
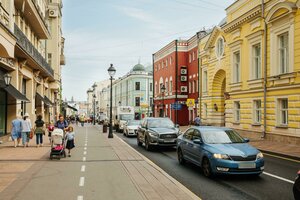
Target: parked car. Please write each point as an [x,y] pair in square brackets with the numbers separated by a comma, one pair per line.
[131,127]
[219,150]
[157,132]
[296,187]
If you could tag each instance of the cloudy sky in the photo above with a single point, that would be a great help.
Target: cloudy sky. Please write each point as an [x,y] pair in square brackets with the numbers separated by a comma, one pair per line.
[122,32]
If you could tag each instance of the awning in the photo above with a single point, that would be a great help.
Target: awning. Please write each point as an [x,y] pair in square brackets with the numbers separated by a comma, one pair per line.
[13,91]
[47,101]
[72,108]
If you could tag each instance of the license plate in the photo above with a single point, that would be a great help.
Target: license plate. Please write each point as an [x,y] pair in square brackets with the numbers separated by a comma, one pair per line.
[169,140]
[247,165]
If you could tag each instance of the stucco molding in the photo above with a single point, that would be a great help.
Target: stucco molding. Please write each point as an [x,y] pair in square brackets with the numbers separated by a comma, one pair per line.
[291,7]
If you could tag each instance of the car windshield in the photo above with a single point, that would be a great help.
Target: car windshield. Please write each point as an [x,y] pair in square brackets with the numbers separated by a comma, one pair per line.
[160,123]
[133,122]
[221,137]
[126,117]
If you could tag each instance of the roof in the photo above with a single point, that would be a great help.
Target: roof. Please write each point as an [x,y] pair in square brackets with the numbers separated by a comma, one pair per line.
[138,67]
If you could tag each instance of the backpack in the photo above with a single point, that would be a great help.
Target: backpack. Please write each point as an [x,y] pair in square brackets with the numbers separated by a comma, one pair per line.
[65,123]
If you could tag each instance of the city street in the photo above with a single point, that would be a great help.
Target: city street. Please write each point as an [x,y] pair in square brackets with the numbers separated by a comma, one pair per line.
[275,183]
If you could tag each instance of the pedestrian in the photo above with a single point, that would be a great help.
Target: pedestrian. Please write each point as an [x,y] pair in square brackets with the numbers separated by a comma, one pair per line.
[82,120]
[39,131]
[26,129]
[50,130]
[197,121]
[61,123]
[16,128]
[70,137]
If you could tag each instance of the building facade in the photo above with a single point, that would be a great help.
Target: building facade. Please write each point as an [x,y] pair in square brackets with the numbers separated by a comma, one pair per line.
[250,70]
[176,70]
[25,40]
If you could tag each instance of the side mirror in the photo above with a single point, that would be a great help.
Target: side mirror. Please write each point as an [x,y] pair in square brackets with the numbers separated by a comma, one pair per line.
[246,140]
[197,141]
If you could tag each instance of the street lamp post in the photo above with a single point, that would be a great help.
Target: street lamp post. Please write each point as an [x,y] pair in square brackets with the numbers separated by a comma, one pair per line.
[163,89]
[111,71]
[94,103]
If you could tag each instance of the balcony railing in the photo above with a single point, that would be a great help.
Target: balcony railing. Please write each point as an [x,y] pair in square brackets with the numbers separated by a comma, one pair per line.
[31,50]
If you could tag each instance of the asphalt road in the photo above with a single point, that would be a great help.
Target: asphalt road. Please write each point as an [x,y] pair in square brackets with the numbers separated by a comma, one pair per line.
[274,184]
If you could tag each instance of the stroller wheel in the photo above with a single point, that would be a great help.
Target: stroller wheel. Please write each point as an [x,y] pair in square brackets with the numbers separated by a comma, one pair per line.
[51,157]
[64,154]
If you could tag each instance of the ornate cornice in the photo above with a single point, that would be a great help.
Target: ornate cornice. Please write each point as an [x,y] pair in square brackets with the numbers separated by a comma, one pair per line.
[252,14]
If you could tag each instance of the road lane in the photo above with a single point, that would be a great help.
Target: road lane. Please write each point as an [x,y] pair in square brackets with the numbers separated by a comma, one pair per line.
[226,187]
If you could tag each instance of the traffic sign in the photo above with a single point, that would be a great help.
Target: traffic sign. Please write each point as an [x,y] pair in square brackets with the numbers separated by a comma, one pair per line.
[190,102]
[175,106]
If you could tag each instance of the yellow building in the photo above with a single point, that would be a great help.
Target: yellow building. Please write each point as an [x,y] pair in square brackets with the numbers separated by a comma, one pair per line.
[256,42]
[28,36]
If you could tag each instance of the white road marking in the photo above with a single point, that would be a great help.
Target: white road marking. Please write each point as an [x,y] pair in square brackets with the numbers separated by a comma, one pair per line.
[85,144]
[84,153]
[84,159]
[83,168]
[81,181]
[85,148]
[278,177]
[79,197]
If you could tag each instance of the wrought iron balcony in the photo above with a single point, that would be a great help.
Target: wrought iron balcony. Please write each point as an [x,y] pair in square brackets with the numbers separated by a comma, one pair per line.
[28,47]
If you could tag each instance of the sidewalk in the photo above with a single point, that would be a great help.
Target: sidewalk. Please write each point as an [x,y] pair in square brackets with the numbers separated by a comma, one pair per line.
[149,181]
[276,148]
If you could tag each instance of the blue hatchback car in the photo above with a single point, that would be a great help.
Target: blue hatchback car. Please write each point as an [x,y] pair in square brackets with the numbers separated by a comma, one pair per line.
[219,150]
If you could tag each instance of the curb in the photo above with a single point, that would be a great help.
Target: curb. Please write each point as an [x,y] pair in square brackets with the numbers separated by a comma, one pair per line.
[177,183]
[296,158]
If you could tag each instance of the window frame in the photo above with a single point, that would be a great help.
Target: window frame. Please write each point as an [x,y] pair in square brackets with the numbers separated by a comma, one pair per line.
[219,50]
[257,112]
[280,111]
[236,65]
[237,111]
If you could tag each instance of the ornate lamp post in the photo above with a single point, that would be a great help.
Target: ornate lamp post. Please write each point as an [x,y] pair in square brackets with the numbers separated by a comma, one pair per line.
[111,71]
[163,89]
[94,103]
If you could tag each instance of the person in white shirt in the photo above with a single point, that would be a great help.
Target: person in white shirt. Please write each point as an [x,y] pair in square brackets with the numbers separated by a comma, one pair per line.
[26,128]
[70,137]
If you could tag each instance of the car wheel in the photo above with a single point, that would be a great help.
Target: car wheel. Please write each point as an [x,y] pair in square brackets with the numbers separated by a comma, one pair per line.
[147,145]
[139,143]
[180,157]
[206,168]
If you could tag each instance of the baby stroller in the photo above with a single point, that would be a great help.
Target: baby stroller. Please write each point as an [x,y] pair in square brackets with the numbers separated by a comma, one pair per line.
[58,144]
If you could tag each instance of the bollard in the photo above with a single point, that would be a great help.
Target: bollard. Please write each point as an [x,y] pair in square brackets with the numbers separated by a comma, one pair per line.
[104,128]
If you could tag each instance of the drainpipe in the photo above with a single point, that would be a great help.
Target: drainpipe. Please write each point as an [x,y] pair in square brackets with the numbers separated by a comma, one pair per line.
[265,68]
[199,76]
[176,79]
[153,85]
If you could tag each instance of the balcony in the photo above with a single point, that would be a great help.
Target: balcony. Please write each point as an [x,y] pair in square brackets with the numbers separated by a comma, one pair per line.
[35,17]
[27,48]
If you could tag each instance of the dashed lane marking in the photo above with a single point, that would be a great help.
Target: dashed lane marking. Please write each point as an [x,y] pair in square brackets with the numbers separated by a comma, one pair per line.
[278,177]
[81,181]
[84,159]
[79,197]
[85,148]
[84,153]
[82,168]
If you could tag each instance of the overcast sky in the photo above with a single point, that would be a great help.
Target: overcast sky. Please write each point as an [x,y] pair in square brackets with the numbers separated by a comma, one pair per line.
[100,32]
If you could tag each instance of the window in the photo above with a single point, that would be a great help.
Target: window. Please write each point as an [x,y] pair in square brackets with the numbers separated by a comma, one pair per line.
[205,81]
[237,111]
[189,134]
[190,58]
[166,86]
[137,86]
[151,101]
[256,61]
[170,60]
[283,111]
[257,111]
[197,86]
[151,87]
[205,110]
[24,91]
[236,67]
[50,59]
[194,87]
[190,87]
[166,62]
[283,52]
[193,56]
[137,101]
[170,87]
[220,48]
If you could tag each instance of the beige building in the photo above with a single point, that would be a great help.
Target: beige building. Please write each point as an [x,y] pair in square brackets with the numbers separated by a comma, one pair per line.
[31,53]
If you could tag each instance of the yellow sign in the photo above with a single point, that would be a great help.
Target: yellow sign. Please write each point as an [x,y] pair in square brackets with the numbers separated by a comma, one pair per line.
[190,102]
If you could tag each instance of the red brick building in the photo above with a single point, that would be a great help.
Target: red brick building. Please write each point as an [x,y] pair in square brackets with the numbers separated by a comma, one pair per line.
[175,67]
